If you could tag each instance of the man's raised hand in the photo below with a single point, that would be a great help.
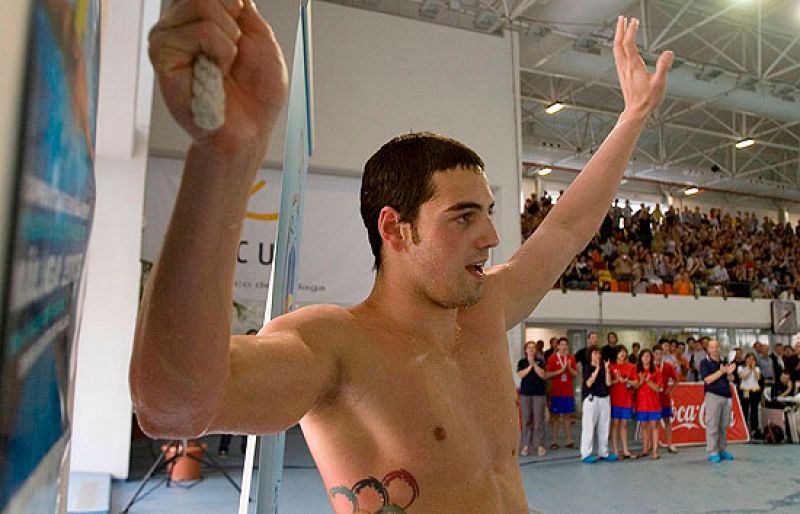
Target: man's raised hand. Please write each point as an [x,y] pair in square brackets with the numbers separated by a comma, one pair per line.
[234,36]
[642,91]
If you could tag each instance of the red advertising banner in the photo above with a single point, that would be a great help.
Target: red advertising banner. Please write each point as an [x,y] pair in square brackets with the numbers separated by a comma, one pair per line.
[688,421]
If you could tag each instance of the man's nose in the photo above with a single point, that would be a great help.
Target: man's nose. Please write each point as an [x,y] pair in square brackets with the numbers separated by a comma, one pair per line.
[489,237]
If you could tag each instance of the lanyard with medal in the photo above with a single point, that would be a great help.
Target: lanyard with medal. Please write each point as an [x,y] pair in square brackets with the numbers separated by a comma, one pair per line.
[561,364]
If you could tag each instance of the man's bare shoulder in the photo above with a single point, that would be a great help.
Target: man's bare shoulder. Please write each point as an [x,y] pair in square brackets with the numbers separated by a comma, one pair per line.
[323,324]
[322,318]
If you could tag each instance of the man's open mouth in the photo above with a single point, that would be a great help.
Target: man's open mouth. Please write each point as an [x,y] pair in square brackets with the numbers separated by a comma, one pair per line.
[476,270]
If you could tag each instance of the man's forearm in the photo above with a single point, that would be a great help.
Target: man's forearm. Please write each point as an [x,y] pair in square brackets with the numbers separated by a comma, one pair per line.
[582,207]
[180,357]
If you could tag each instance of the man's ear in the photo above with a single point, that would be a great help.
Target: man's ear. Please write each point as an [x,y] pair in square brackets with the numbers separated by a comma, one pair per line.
[395,233]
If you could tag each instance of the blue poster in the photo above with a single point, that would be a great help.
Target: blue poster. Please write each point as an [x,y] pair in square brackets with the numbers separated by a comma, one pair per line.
[283,283]
[51,215]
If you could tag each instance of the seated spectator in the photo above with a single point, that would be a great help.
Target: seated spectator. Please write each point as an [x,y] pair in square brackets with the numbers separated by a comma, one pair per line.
[784,388]
[682,285]
[718,275]
[623,268]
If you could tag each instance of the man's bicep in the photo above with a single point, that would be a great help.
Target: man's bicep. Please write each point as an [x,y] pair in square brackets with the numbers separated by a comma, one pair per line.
[274,379]
[533,270]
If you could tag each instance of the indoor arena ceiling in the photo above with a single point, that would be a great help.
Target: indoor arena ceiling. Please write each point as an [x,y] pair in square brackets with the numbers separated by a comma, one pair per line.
[736,76]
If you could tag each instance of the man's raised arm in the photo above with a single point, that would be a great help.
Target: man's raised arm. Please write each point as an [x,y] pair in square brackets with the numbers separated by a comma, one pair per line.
[180,362]
[576,217]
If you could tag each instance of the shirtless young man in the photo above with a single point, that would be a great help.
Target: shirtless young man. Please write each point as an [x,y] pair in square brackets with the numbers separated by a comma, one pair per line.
[407,398]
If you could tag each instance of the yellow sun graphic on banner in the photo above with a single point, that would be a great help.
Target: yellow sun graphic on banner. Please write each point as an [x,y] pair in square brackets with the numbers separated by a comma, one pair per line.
[272,216]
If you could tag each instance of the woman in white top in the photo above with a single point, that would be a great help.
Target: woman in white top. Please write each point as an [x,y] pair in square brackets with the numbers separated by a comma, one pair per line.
[750,390]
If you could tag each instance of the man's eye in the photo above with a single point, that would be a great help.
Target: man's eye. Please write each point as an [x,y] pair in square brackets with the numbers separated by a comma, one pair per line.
[464,218]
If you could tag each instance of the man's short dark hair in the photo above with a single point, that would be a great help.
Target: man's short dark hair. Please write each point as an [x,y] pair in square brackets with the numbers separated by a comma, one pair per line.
[400,175]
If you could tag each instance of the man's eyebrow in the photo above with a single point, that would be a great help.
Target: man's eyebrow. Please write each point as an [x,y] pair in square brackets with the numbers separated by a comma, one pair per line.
[463,206]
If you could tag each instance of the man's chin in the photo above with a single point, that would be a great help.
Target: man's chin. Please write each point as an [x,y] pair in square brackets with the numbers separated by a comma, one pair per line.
[462,302]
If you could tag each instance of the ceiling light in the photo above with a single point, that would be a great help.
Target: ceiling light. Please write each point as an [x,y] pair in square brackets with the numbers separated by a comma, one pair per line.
[430,9]
[485,20]
[708,73]
[554,107]
[537,31]
[744,143]
[545,171]
[587,45]
[691,191]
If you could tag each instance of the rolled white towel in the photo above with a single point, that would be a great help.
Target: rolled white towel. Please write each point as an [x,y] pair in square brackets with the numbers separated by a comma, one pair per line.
[208,94]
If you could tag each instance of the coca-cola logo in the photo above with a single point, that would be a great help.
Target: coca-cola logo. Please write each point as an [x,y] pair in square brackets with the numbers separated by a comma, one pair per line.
[691,417]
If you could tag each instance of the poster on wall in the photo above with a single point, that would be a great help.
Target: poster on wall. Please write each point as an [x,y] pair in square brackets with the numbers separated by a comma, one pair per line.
[256,250]
[335,265]
[51,213]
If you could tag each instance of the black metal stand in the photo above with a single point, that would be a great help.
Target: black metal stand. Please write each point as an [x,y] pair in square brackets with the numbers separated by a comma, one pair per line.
[162,462]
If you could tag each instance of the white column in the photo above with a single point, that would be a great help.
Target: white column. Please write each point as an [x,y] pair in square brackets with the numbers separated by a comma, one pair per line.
[102,409]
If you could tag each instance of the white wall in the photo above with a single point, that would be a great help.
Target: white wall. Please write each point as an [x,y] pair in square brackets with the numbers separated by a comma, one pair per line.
[377,76]
[590,308]
[13,39]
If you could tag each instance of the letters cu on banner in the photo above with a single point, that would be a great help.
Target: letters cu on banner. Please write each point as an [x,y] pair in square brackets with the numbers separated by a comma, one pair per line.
[688,422]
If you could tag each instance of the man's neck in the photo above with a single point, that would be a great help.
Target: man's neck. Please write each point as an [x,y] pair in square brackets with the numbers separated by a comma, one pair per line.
[412,315]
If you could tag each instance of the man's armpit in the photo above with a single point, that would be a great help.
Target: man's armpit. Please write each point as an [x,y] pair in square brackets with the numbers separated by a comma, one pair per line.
[393,494]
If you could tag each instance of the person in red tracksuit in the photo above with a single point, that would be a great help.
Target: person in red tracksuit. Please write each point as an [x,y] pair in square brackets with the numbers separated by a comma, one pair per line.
[648,404]
[669,380]
[623,376]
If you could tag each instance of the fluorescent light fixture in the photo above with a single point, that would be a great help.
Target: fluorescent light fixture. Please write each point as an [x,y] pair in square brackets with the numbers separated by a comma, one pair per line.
[691,191]
[545,171]
[744,143]
[554,107]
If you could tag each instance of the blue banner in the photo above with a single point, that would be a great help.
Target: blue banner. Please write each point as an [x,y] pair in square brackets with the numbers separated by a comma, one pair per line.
[51,217]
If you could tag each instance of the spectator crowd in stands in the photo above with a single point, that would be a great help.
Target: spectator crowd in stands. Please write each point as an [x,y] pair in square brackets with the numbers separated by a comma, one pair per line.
[684,252]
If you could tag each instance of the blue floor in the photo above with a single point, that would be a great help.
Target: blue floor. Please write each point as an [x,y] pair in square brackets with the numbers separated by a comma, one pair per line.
[761,479]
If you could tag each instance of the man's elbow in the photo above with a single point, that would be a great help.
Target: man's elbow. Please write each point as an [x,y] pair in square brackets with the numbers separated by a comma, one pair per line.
[171,416]
[157,427]
[168,422]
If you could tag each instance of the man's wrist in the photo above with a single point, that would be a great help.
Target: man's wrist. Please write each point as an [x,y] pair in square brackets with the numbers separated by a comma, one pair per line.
[633,117]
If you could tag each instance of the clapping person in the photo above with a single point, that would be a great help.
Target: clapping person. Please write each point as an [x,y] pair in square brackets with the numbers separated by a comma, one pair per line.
[596,408]
[561,368]
[750,391]
[623,376]
[531,369]
[669,380]
[648,404]
[717,375]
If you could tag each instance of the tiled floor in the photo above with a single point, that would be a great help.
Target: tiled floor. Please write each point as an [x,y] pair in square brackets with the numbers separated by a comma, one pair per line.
[761,479]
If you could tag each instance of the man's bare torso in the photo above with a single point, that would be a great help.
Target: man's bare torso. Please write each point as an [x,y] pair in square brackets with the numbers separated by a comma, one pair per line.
[436,424]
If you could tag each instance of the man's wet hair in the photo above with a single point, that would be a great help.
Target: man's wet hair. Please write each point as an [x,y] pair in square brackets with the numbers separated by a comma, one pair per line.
[400,175]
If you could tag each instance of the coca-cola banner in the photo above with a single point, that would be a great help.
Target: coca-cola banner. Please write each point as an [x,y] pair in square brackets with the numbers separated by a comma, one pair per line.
[688,422]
